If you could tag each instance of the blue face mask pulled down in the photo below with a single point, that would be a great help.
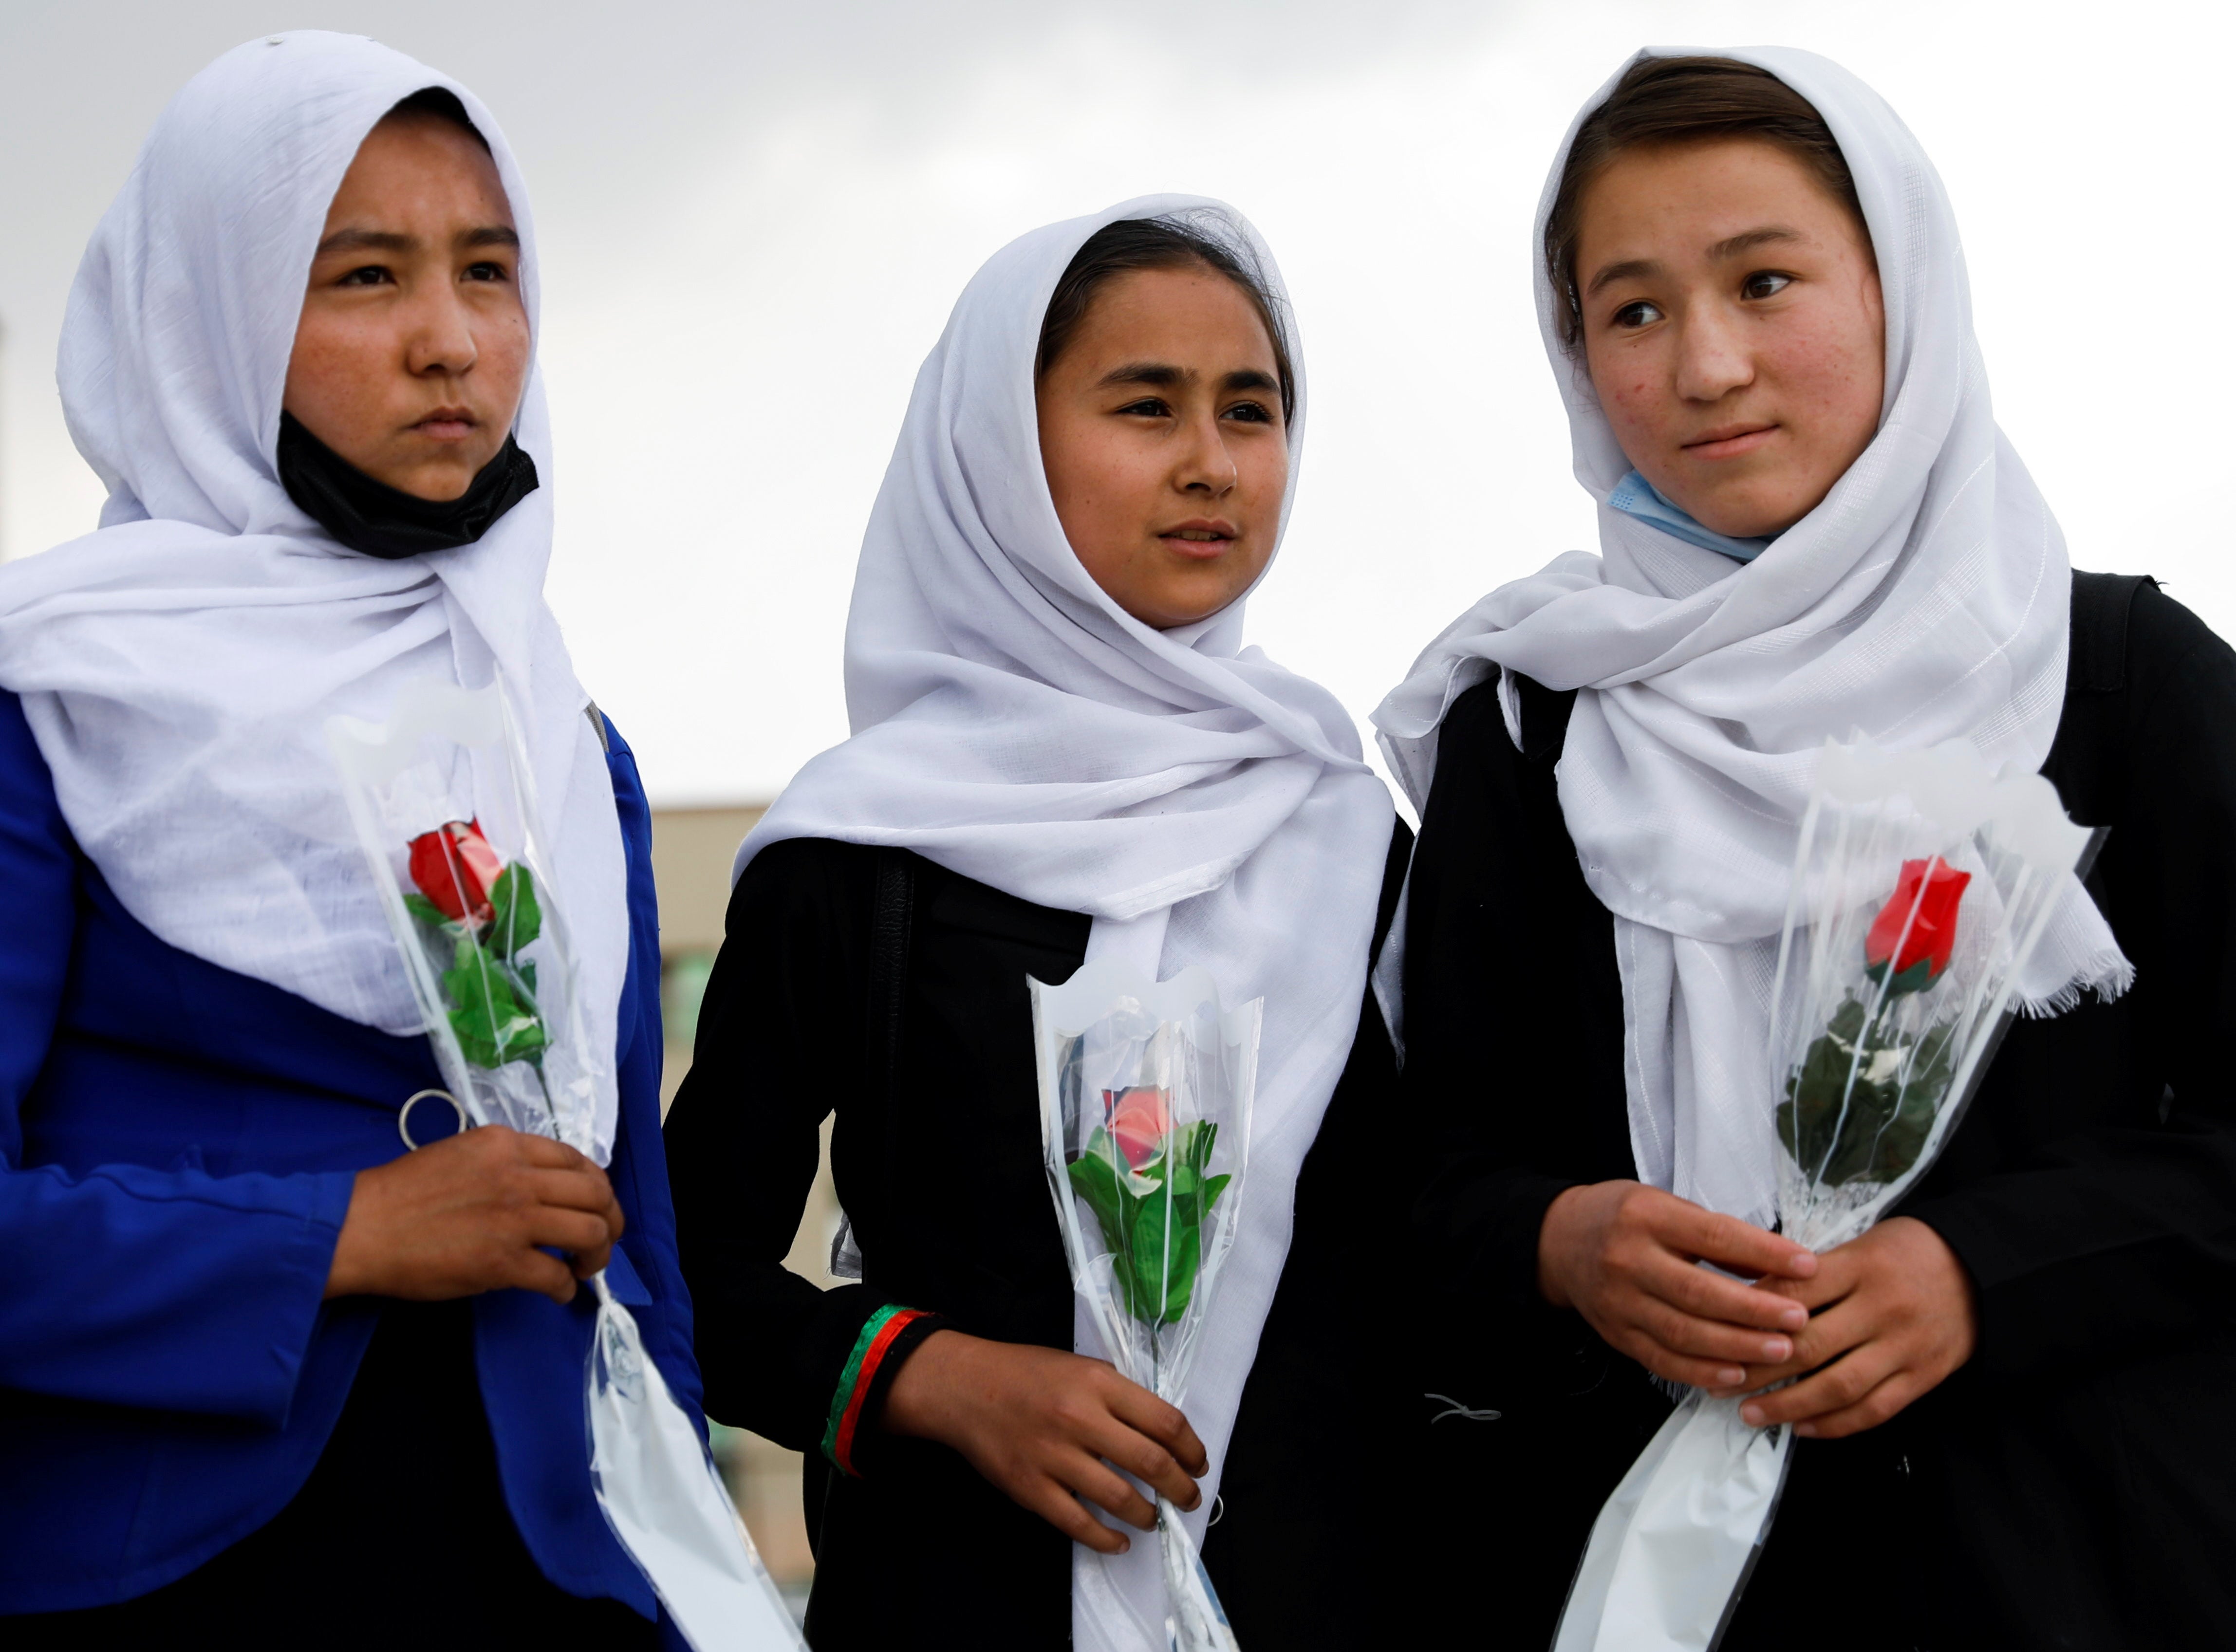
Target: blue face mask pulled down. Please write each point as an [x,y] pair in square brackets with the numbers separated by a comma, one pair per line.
[1635,497]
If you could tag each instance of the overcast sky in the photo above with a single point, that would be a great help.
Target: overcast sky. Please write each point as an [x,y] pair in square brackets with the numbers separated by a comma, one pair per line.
[755,216]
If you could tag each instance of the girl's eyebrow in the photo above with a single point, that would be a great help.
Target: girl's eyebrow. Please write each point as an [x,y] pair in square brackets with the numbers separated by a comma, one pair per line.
[1149,372]
[367,240]
[1622,272]
[1747,240]
[389,240]
[1165,376]
[1730,247]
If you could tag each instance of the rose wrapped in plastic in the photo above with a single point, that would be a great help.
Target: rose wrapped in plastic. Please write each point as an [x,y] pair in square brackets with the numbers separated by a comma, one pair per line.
[441,800]
[1861,1103]
[486,913]
[1145,1122]
[1149,1185]
[1922,887]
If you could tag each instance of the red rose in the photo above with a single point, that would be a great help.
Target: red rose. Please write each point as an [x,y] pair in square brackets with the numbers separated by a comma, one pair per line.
[454,867]
[1921,918]
[1138,1122]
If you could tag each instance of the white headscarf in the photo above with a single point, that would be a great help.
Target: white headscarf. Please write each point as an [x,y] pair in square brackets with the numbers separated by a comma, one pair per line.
[1013,724]
[1926,599]
[177,666]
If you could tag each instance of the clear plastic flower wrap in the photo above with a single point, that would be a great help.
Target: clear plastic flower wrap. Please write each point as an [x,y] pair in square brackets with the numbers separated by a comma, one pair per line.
[1145,1122]
[443,801]
[1922,885]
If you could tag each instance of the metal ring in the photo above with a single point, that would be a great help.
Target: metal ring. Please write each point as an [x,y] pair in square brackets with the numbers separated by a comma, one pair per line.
[403,1115]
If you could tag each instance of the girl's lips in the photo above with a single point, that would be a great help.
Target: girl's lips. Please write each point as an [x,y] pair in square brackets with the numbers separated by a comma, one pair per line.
[1731,447]
[1202,539]
[441,428]
[1198,549]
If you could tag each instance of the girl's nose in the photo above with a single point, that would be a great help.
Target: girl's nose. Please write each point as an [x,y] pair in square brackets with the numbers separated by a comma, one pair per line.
[1713,358]
[1207,466]
[442,339]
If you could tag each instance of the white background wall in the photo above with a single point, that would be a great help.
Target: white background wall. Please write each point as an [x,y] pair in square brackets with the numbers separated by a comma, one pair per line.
[754,218]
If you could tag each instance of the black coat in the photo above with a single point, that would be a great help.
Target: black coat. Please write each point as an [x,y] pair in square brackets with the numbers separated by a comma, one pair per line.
[874,982]
[2075,1485]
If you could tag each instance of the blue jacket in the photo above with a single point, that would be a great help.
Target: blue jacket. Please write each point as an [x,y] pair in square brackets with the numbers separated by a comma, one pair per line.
[177,1146]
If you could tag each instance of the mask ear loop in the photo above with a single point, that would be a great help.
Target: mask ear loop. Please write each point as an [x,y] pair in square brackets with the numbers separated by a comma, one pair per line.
[1470,1414]
[403,1117]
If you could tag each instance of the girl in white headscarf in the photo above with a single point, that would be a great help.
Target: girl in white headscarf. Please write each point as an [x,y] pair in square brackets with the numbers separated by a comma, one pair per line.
[267,1378]
[1755,304]
[1062,750]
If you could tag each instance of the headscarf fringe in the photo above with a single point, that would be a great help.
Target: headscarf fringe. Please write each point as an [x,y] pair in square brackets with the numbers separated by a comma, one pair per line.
[2108,975]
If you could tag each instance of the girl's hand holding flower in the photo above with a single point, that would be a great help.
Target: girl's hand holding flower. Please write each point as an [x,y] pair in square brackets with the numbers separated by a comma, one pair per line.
[1627,1257]
[1892,1317]
[1045,1426]
[480,1211]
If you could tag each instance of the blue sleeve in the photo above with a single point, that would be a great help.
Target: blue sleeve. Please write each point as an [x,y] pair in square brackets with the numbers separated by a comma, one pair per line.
[640,1162]
[173,1290]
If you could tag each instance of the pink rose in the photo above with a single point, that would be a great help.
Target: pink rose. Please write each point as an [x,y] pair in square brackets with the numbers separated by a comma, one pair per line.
[1138,1122]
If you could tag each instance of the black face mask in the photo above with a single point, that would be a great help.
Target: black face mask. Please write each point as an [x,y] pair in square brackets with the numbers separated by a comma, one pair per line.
[386,522]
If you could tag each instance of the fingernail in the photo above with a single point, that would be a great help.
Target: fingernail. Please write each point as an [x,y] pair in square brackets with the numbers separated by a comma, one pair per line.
[1796,1317]
[1807,1430]
[1124,1546]
[1730,1377]
[1776,1348]
[1804,1266]
[1751,1415]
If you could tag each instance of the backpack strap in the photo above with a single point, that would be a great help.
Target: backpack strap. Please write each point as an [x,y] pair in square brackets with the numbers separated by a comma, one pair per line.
[2098,662]
[2087,761]
[892,920]
[889,922]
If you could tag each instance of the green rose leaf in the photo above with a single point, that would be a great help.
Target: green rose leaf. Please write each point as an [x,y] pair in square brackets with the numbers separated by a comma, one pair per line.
[1192,1143]
[1861,1105]
[515,919]
[427,911]
[1094,1180]
[494,1023]
[1166,1248]
[1152,1219]
[1918,977]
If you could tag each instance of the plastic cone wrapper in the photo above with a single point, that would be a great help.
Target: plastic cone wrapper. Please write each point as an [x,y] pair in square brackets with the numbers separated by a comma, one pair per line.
[442,799]
[1921,887]
[1145,1125]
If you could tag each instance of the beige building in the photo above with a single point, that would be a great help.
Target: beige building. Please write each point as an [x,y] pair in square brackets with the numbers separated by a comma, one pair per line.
[691,853]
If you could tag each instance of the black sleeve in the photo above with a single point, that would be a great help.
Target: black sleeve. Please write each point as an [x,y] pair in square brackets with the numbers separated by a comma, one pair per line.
[2109,1230]
[781,1032]
[1513,1019]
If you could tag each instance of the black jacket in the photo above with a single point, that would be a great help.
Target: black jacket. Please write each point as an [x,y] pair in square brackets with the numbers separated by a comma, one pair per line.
[2075,1485]
[874,983]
